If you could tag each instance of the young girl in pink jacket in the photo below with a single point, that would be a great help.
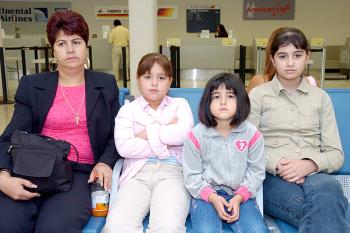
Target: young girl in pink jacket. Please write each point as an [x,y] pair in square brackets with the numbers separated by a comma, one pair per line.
[149,134]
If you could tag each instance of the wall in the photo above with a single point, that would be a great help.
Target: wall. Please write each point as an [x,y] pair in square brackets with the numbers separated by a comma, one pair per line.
[315,17]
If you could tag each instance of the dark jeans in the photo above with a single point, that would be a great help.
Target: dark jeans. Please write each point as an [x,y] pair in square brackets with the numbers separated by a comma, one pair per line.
[317,206]
[56,213]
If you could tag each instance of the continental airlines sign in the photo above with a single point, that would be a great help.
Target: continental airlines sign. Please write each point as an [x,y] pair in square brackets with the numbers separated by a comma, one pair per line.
[24,15]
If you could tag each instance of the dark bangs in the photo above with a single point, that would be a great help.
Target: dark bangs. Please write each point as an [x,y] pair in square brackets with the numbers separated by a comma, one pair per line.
[290,36]
[233,83]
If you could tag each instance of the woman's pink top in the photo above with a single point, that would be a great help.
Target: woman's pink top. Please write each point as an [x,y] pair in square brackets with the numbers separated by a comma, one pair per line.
[60,122]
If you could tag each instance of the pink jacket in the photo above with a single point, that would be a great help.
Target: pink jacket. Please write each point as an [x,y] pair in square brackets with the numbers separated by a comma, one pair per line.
[136,116]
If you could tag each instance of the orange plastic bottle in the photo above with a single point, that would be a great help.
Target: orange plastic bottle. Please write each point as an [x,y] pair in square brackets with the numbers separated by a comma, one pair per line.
[99,200]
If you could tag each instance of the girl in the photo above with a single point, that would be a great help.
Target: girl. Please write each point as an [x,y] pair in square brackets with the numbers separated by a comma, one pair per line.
[270,71]
[301,142]
[224,163]
[149,134]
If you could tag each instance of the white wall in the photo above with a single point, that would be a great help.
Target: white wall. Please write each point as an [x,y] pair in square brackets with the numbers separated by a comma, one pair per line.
[314,17]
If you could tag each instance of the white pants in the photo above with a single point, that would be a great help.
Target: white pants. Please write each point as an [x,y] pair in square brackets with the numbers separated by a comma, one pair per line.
[116,58]
[157,188]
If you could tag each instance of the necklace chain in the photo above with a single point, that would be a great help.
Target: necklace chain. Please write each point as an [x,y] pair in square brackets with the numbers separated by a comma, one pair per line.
[76,114]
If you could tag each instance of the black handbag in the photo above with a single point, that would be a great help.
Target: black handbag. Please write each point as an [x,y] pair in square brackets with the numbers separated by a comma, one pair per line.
[41,160]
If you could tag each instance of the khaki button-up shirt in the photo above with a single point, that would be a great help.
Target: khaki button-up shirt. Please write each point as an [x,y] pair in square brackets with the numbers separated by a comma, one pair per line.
[298,125]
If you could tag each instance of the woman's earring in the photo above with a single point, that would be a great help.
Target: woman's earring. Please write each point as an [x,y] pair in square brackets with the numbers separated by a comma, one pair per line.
[52,65]
[87,64]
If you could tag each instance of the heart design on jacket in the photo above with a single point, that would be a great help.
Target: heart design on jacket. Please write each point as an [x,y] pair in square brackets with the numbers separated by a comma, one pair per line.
[241,145]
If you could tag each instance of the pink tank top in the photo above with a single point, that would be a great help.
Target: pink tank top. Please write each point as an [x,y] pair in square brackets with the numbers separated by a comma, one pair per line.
[312,81]
[61,122]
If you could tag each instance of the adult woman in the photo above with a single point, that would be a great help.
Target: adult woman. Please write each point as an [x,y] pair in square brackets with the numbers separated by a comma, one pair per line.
[302,142]
[221,31]
[65,104]
[269,70]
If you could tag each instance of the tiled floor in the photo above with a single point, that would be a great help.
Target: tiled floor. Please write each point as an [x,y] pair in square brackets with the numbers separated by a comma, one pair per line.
[6,110]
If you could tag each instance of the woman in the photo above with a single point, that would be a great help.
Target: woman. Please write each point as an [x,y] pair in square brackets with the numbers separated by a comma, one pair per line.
[221,31]
[302,143]
[68,104]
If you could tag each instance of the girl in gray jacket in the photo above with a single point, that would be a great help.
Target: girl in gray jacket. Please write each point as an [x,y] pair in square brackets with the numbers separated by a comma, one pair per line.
[223,161]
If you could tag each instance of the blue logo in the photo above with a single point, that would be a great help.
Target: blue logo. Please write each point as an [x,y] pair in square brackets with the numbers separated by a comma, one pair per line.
[40,15]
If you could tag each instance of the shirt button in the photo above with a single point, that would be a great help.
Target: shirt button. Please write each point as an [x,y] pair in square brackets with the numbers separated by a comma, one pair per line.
[292,109]
[297,150]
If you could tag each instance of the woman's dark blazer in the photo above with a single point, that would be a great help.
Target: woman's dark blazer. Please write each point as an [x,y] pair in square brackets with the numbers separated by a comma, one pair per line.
[35,96]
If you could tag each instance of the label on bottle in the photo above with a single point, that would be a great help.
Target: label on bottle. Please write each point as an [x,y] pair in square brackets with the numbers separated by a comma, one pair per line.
[99,197]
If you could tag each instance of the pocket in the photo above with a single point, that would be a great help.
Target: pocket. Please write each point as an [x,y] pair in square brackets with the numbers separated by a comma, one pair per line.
[276,143]
[313,141]
[271,113]
[310,114]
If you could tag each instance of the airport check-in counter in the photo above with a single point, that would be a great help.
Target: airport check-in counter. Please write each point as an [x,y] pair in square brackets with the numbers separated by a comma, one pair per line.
[258,54]
[13,57]
[101,54]
[202,58]
[344,60]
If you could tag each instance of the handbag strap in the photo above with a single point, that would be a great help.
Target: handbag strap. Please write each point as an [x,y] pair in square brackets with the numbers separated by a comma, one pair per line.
[76,151]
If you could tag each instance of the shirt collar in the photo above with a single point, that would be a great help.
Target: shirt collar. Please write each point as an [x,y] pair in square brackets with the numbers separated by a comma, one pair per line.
[304,86]
[211,132]
[145,105]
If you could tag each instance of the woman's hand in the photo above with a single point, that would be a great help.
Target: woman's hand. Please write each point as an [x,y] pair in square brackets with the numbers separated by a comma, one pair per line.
[295,170]
[14,187]
[234,205]
[103,173]
[219,204]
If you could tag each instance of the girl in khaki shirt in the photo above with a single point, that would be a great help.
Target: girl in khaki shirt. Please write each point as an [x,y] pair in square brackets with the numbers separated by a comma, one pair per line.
[302,143]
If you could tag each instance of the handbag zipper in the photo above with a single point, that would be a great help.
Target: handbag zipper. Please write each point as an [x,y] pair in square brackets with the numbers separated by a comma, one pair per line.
[32,147]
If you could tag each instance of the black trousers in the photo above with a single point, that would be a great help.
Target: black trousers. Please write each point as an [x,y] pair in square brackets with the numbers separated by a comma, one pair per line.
[66,212]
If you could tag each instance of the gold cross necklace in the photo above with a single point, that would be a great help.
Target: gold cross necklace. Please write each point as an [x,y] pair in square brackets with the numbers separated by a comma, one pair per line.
[76,114]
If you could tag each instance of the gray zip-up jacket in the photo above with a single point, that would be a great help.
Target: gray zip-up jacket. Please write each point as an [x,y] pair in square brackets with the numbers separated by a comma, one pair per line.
[235,163]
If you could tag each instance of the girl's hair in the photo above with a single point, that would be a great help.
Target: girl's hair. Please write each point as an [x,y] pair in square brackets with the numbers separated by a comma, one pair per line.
[70,22]
[230,82]
[287,36]
[147,61]
[269,69]
[282,37]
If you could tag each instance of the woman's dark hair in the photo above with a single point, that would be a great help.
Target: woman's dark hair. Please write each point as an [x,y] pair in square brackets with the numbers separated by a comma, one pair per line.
[222,31]
[147,61]
[287,36]
[70,22]
[230,82]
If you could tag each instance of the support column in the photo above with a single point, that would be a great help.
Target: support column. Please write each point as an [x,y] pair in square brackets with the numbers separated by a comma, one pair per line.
[5,99]
[143,35]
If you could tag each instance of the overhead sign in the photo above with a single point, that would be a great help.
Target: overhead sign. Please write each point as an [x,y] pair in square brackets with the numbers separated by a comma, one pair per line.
[268,9]
[109,12]
[167,12]
[26,14]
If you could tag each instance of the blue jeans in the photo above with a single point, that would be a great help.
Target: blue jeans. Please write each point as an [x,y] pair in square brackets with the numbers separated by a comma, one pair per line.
[317,206]
[205,219]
